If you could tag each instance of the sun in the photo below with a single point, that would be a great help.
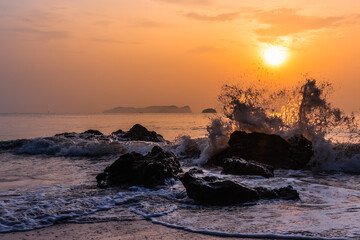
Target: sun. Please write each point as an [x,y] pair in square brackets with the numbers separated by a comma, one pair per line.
[274,55]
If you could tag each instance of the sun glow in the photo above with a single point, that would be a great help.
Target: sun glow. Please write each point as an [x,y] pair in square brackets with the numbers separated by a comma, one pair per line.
[274,55]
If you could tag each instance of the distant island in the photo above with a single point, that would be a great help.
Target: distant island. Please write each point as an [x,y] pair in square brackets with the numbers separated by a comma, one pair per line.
[151,109]
[209,110]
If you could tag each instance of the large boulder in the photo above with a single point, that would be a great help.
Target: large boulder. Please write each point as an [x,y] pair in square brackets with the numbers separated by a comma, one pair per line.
[214,191]
[239,166]
[268,149]
[140,133]
[135,169]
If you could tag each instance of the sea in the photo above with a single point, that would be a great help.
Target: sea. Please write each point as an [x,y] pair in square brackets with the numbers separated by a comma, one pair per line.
[46,179]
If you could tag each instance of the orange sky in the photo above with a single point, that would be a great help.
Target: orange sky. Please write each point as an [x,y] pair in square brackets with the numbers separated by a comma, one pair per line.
[88,56]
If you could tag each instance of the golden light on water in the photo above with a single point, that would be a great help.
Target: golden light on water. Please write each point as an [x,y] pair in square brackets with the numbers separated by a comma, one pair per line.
[275,55]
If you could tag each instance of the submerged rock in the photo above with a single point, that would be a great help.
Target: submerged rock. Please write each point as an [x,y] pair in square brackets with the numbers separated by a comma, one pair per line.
[135,169]
[239,166]
[285,193]
[140,133]
[214,191]
[268,149]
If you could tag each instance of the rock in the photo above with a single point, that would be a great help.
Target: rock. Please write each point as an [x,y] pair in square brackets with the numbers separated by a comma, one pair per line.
[93,132]
[195,171]
[214,191]
[301,148]
[268,149]
[285,193]
[135,169]
[118,132]
[140,133]
[239,166]
[209,110]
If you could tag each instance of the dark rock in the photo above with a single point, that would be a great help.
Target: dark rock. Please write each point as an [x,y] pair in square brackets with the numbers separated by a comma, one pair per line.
[239,166]
[140,133]
[94,132]
[268,149]
[118,132]
[135,169]
[195,171]
[209,110]
[301,148]
[285,193]
[214,191]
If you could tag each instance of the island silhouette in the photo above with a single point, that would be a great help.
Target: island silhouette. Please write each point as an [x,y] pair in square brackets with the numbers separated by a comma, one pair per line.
[150,109]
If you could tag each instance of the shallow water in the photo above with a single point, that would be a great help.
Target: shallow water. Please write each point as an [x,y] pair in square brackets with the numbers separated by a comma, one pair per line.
[16,126]
[39,188]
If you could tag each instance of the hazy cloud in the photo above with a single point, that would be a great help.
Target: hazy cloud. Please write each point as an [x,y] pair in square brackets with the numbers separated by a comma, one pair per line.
[147,24]
[103,22]
[41,34]
[287,21]
[40,16]
[215,18]
[102,40]
[205,49]
[187,2]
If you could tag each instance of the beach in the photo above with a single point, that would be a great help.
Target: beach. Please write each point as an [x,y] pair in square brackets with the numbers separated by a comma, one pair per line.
[124,230]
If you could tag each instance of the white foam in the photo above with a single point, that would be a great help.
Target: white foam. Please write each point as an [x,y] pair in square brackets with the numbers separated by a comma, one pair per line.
[240,235]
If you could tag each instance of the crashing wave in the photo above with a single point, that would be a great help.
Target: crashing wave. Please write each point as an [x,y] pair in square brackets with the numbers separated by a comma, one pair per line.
[303,110]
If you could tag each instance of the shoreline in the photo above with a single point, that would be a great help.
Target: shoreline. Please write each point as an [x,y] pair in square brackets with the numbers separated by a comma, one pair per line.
[137,229]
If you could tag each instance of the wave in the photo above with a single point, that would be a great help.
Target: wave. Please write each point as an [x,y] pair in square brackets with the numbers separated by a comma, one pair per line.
[303,110]
[76,145]
[91,145]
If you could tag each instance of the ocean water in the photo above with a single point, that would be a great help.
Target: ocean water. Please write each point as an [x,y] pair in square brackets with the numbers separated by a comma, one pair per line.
[50,180]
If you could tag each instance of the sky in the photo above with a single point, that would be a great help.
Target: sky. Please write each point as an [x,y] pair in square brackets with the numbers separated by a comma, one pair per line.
[85,56]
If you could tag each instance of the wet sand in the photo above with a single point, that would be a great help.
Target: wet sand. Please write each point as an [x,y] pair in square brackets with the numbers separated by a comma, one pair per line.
[133,230]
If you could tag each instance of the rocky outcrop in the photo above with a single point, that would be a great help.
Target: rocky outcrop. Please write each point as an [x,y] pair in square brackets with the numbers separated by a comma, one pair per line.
[214,191]
[140,133]
[209,110]
[239,166]
[268,149]
[135,169]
